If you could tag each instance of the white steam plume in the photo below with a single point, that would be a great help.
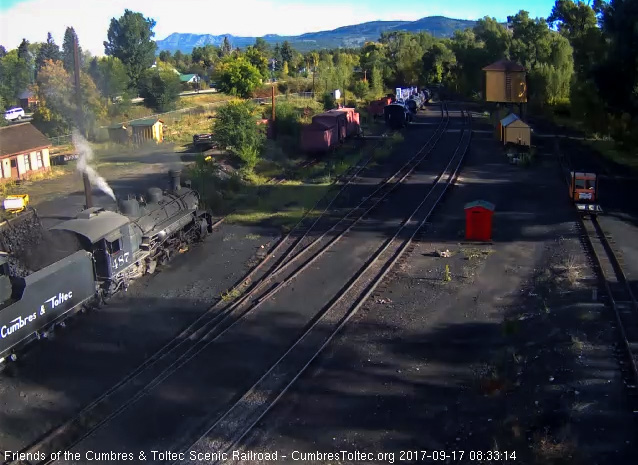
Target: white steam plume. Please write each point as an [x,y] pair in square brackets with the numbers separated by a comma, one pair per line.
[85,156]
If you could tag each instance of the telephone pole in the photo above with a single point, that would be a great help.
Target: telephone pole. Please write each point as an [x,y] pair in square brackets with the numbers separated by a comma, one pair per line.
[80,118]
[272,97]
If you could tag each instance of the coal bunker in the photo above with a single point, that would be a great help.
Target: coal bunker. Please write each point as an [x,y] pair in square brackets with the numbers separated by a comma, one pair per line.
[31,247]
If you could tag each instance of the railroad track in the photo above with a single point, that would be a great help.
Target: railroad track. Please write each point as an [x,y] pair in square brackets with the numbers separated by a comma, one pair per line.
[621,298]
[228,431]
[205,329]
[617,289]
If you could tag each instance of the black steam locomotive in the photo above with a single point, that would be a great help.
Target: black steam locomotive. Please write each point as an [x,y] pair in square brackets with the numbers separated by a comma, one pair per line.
[103,251]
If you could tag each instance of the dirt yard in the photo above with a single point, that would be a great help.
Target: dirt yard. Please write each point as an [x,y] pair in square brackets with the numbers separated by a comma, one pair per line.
[509,350]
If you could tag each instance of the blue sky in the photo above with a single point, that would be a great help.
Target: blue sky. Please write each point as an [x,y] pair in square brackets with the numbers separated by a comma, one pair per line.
[32,19]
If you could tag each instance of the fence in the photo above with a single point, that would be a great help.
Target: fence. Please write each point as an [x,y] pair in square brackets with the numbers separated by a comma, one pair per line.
[61,140]
[172,116]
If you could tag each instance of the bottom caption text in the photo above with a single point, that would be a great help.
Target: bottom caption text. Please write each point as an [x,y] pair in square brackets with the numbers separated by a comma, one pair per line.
[409,456]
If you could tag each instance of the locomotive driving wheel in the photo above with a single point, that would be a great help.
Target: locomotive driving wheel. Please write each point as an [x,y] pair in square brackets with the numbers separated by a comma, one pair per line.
[164,257]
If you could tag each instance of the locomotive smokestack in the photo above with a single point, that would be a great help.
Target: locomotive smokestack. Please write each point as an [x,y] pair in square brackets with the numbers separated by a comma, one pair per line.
[175,183]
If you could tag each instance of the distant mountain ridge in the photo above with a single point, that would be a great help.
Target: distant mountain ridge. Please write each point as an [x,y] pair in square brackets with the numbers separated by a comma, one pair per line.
[346,36]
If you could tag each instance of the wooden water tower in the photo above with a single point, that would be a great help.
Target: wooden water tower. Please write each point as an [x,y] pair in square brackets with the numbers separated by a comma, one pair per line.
[505,82]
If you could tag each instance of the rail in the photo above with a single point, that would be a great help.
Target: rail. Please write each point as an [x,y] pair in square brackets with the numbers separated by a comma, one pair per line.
[616,285]
[243,415]
[173,355]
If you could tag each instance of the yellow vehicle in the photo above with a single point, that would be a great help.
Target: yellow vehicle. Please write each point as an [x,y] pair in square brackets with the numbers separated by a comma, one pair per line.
[583,190]
[16,203]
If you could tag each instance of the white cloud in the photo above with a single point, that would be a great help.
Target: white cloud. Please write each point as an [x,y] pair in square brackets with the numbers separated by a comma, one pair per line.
[91,18]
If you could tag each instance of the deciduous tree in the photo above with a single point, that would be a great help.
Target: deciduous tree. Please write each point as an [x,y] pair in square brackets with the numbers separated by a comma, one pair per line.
[160,89]
[617,77]
[109,74]
[236,76]
[256,58]
[14,77]
[236,130]
[130,39]
[438,64]
[56,92]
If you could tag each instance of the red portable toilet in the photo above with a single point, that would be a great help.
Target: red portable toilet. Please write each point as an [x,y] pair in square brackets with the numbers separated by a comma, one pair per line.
[478,221]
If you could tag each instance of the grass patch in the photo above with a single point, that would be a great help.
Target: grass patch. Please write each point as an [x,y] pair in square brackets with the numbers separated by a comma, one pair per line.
[609,150]
[10,187]
[231,294]
[201,99]
[475,253]
[252,237]
[181,131]
[282,205]
[550,451]
[570,270]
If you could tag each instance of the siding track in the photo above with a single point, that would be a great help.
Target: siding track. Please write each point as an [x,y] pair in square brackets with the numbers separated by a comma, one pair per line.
[224,315]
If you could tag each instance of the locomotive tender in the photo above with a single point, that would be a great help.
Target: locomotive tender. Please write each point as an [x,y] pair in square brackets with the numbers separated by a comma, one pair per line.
[115,248]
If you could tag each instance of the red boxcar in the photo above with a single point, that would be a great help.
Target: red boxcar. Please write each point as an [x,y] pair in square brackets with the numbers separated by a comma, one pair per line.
[376,106]
[328,129]
[318,137]
[354,125]
[334,118]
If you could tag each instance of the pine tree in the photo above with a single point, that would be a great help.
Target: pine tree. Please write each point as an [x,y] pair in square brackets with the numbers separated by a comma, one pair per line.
[48,51]
[23,50]
[226,47]
[67,49]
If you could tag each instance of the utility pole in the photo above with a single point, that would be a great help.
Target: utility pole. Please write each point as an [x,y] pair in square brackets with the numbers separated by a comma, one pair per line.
[80,118]
[272,90]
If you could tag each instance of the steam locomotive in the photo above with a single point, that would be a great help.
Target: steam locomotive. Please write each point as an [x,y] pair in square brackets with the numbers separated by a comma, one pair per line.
[401,111]
[96,255]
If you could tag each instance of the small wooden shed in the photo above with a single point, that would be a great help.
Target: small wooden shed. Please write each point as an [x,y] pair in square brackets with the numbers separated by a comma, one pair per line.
[148,129]
[505,82]
[118,133]
[513,130]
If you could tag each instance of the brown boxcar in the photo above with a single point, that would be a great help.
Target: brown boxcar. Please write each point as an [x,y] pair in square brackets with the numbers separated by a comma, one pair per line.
[336,118]
[318,137]
[353,125]
[376,108]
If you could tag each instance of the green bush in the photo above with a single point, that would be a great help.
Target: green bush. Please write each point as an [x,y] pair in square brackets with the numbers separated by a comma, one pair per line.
[237,76]
[360,89]
[236,130]
[299,85]
[160,90]
[328,101]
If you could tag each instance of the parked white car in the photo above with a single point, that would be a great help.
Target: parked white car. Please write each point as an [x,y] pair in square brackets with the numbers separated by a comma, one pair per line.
[14,114]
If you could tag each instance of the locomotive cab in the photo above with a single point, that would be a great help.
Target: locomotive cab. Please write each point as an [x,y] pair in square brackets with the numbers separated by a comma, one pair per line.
[108,236]
[583,191]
